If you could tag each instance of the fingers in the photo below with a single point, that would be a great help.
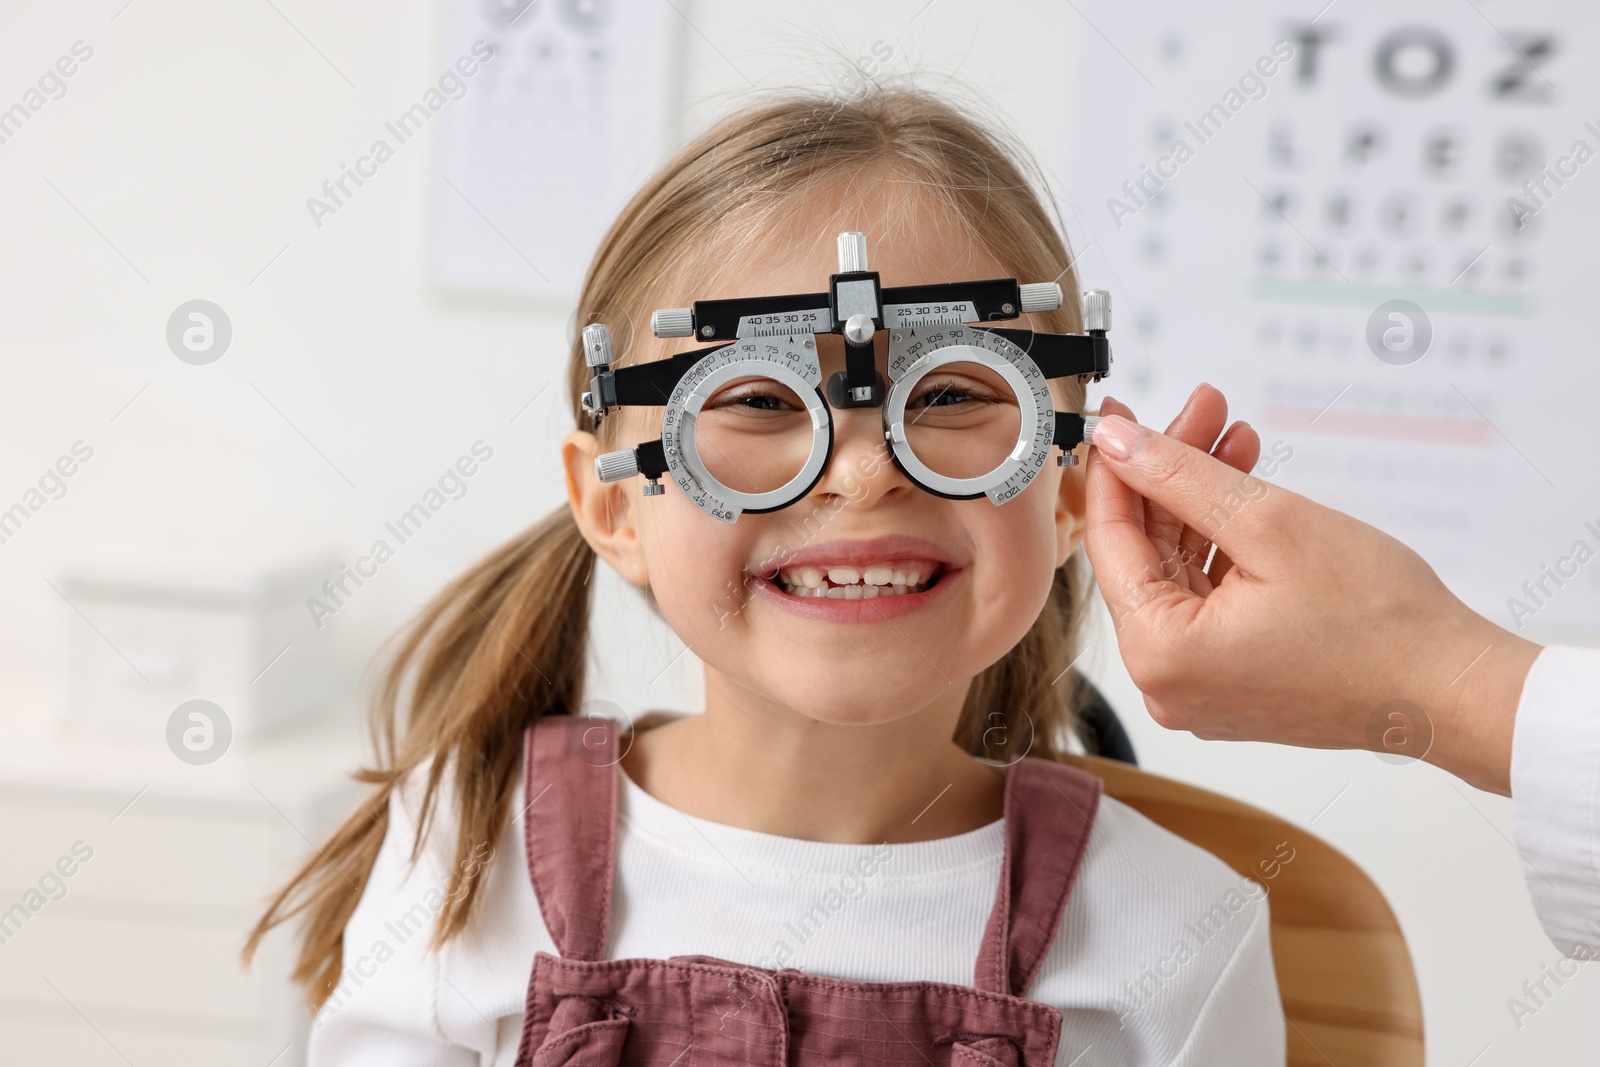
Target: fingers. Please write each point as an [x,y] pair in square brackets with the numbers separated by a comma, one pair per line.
[1239,448]
[1107,495]
[1200,422]
[1110,405]
[1203,491]
[1122,555]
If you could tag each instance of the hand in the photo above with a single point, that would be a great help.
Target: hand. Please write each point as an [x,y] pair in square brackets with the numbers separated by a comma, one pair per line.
[1182,548]
[1306,623]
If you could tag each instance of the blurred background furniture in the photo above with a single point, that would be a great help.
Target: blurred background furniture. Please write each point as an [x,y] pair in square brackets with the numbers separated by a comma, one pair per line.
[138,961]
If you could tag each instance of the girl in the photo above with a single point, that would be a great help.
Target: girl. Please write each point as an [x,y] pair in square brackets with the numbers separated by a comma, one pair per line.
[851,822]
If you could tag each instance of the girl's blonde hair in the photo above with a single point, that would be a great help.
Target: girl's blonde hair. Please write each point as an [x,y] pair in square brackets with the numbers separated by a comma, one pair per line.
[506,642]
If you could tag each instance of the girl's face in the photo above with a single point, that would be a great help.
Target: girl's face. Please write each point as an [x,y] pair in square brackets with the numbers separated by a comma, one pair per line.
[919,593]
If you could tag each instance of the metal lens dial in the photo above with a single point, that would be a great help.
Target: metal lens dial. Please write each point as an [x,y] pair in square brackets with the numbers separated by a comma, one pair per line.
[968,413]
[746,429]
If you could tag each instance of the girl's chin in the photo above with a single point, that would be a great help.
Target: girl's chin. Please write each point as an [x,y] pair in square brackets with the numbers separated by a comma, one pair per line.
[855,698]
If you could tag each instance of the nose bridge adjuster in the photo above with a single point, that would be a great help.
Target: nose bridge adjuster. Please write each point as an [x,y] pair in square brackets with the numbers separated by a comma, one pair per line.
[855,298]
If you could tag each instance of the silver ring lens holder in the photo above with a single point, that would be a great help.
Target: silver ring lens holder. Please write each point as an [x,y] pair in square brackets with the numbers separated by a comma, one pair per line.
[787,363]
[912,358]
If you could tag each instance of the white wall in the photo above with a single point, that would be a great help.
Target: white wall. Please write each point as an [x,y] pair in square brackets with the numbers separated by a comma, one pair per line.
[177,166]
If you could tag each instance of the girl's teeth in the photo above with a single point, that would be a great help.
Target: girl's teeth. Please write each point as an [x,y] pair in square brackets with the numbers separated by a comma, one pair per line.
[852,583]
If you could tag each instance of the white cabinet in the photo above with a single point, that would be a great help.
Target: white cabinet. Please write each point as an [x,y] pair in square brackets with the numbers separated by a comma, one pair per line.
[133,956]
[239,636]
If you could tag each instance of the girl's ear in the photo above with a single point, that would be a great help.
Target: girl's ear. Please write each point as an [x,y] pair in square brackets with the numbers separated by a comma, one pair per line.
[1070,524]
[604,511]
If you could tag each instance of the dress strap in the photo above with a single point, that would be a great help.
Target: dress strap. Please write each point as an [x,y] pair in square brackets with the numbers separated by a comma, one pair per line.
[569,827]
[1049,813]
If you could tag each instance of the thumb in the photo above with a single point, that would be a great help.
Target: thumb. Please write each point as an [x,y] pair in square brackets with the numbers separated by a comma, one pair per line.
[1228,507]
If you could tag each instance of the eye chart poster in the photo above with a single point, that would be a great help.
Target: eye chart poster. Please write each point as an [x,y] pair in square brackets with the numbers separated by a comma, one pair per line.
[560,127]
[1375,227]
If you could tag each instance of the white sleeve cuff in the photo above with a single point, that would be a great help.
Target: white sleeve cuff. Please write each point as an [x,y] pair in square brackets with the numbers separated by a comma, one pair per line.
[1555,781]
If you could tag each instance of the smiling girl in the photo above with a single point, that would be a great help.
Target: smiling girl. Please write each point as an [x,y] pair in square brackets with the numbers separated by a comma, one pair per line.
[866,846]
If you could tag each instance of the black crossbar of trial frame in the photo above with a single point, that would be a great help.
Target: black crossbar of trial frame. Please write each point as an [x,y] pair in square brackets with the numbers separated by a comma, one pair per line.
[1059,355]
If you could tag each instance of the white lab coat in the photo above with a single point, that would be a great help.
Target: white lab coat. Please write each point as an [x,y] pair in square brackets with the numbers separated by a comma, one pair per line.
[1555,781]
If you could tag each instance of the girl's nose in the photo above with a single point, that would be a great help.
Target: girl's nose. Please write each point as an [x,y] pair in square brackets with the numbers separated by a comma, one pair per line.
[861,469]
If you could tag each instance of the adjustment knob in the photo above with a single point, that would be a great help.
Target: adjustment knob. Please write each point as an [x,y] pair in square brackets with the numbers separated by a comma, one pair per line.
[1089,425]
[1097,310]
[858,329]
[852,252]
[672,322]
[1041,296]
[597,345]
[615,466]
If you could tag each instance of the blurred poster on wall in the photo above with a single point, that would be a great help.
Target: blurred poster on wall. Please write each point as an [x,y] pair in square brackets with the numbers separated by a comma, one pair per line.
[561,123]
[1373,227]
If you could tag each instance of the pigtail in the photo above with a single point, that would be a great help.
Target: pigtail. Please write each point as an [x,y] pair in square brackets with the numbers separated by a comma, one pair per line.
[500,646]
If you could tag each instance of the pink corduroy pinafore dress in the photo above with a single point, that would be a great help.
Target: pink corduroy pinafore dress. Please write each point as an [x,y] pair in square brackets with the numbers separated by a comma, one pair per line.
[584,1010]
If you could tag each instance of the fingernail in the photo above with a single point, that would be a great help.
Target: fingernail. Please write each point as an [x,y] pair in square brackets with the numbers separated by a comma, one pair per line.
[1118,436]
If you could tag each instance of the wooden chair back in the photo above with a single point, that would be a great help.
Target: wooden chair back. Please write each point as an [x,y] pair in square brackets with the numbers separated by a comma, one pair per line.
[1344,974]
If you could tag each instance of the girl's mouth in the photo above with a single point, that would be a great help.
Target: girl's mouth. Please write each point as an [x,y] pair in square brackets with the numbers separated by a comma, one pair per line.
[886,578]
[858,581]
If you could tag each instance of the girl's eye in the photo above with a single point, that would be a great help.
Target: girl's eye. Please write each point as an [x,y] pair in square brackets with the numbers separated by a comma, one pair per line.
[760,402]
[950,393]
[754,398]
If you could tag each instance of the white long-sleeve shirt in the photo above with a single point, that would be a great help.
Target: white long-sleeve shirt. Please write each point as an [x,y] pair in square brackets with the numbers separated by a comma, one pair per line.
[1555,781]
[1162,957]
